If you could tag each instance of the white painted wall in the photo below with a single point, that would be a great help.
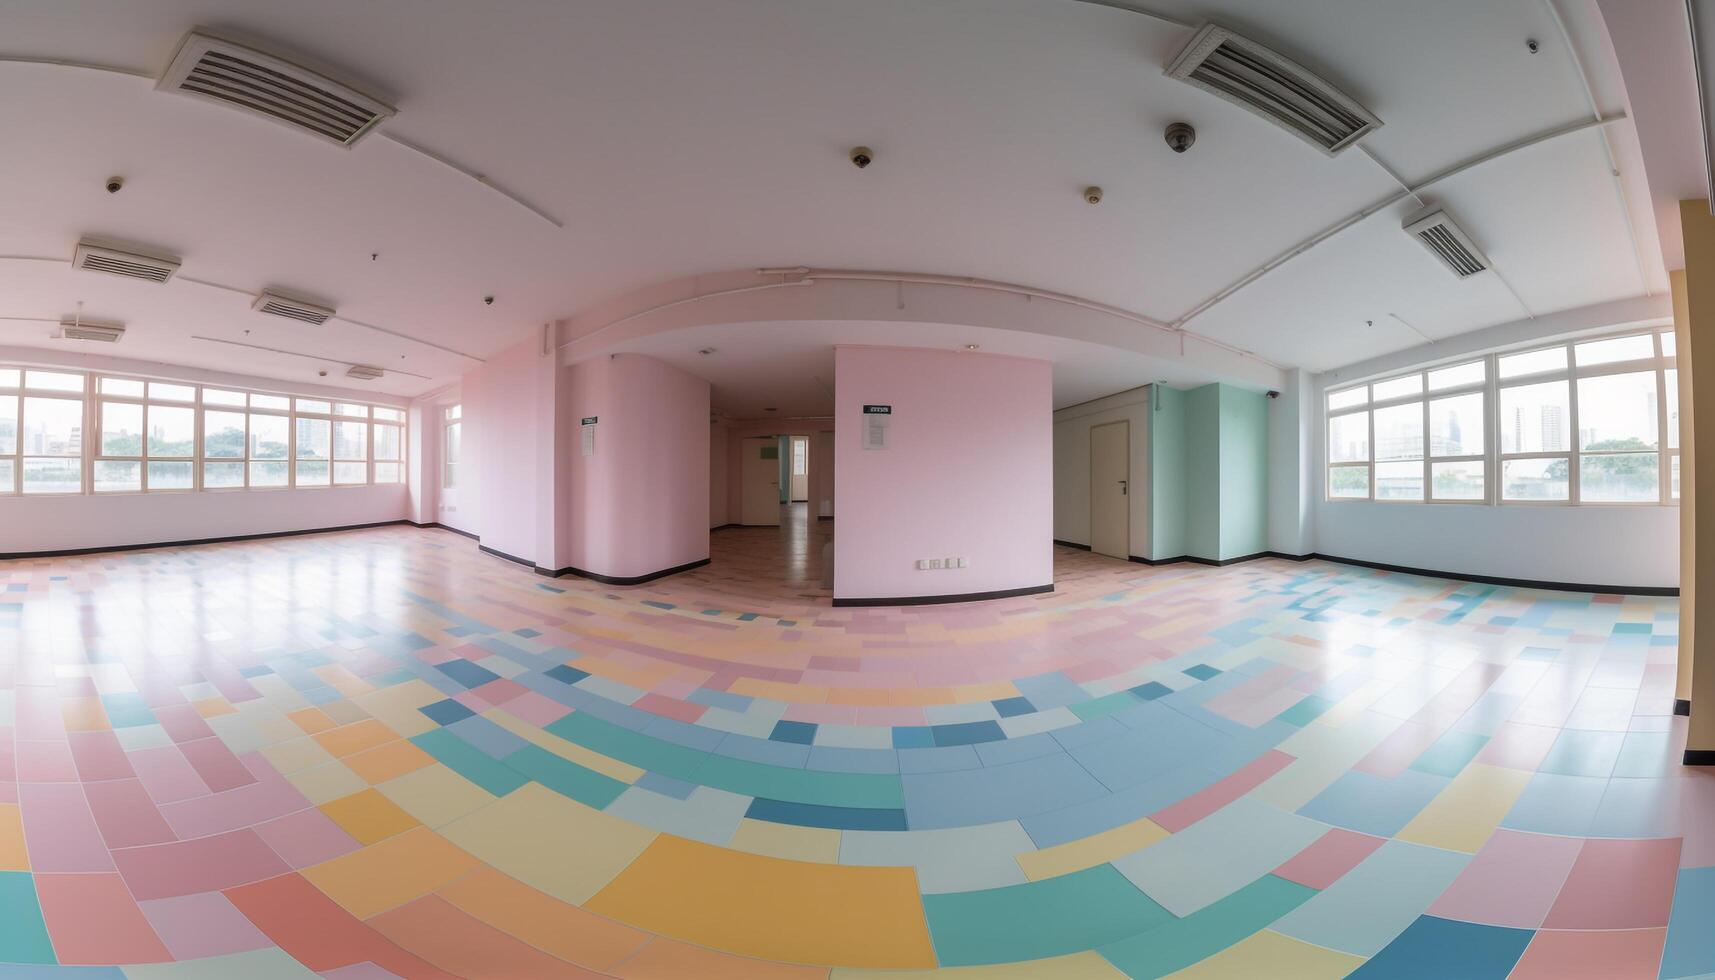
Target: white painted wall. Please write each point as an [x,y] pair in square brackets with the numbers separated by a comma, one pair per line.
[1291,455]
[1072,465]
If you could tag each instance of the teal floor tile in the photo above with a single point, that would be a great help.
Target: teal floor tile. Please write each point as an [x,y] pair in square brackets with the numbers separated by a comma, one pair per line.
[1434,948]
[469,761]
[1450,753]
[566,777]
[1178,943]
[23,934]
[1052,917]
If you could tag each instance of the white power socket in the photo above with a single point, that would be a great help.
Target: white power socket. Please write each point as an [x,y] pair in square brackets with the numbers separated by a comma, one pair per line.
[935,564]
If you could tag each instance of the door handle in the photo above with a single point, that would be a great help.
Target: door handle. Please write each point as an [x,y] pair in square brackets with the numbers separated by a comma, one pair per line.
[1125,488]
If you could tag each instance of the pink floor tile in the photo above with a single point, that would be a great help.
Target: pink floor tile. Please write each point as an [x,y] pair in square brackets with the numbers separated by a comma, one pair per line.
[305,838]
[182,723]
[167,774]
[42,761]
[98,755]
[1627,954]
[1618,884]
[204,864]
[59,830]
[1329,858]
[204,924]
[537,709]
[36,713]
[1512,881]
[1206,801]
[1399,750]
[500,692]
[216,764]
[93,919]
[270,795]
[125,814]
[657,704]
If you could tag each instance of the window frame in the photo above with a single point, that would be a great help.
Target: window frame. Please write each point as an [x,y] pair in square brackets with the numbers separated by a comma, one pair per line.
[82,397]
[452,420]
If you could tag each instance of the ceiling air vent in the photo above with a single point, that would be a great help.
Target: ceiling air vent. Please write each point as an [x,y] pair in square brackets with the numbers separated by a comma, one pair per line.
[80,329]
[1274,87]
[292,308]
[1436,230]
[364,372]
[235,74]
[127,262]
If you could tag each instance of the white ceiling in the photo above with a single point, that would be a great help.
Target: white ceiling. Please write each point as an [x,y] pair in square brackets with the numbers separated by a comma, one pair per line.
[677,137]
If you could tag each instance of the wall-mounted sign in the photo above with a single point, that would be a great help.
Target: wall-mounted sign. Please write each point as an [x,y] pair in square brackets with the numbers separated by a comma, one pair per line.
[875,422]
[589,435]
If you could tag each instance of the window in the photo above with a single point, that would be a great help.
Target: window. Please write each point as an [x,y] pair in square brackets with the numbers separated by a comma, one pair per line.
[11,383]
[313,444]
[1588,421]
[452,417]
[50,432]
[350,446]
[800,457]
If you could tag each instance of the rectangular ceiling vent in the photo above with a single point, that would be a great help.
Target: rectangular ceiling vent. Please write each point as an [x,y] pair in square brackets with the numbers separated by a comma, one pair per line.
[1438,233]
[127,262]
[225,71]
[292,308]
[364,372]
[77,329]
[1274,87]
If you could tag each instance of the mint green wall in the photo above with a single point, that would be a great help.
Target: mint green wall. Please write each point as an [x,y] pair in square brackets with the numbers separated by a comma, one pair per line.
[1208,473]
[1166,472]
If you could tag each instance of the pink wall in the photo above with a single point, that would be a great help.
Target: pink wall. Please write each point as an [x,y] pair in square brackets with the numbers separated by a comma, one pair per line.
[498,476]
[968,471]
[641,503]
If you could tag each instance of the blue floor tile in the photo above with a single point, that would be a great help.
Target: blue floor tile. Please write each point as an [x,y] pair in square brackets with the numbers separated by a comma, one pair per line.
[1433,948]
[831,817]
[798,732]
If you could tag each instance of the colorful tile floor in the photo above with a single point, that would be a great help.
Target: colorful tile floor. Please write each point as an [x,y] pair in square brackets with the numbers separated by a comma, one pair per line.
[381,753]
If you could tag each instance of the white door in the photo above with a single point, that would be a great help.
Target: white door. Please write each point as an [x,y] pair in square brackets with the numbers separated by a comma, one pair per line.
[1110,504]
[759,469]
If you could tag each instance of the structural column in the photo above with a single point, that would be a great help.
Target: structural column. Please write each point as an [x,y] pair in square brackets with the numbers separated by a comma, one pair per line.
[1694,330]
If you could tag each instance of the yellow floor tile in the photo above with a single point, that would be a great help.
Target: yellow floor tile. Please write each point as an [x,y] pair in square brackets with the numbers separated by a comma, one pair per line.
[298,754]
[340,678]
[783,840]
[397,706]
[311,720]
[389,761]
[1272,955]
[13,857]
[621,771]
[772,908]
[665,959]
[348,739]
[436,795]
[543,921]
[325,782]
[1051,862]
[368,817]
[1078,966]
[551,843]
[1464,815]
[210,707]
[391,873]
[84,715]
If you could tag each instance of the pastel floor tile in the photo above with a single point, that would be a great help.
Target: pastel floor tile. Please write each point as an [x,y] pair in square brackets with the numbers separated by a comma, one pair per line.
[952,860]
[306,837]
[1327,859]
[261,964]
[390,873]
[1074,966]
[524,835]
[59,830]
[768,907]
[93,919]
[1090,851]
[435,795]
[1555,804]
[1373,903]
[444,935]
[1618,884]
[1270,954]
[1466,813]
[1432,949]
[368,816]
[387,761]
[815,844]
[1690,948]
[558,928]
[1180,943]
[1512,881]
[14,855]
[1052,917]
[317,932]
[1373,804]
[1218,855]
[202,925]
[197,865]
[23,933]
[1626,954]
[664,959]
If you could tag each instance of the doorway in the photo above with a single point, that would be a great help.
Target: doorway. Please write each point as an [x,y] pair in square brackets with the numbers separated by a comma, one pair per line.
[1110,489]
[759,481]
[799,479]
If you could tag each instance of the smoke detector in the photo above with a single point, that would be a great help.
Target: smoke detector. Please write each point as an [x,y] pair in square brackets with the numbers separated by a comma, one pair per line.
[115,260]
[77,328]
[364,372]
[291,307]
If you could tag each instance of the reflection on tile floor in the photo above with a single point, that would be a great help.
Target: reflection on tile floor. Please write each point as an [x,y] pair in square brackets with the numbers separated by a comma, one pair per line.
[381,753]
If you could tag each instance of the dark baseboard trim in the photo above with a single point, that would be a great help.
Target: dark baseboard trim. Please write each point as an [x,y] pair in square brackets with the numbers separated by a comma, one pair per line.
[1072,544]
[74,552]
[1157,561]
[826,517]
[485,549]
[1283,556]
[448,527]
[724,527]
[618,579]
[1681,706]
[1517,583]
[1193,559]
[1700,757]
[932,600]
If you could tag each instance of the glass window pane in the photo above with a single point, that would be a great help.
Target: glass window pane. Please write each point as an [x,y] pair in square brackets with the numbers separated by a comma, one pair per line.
[389,472]
[1457,481]
[52,381]
[1636,347]
[1399,481]
[1456,425]
[306,405]
[1617,411]
[1348,439]
[389,414]
[313,435]
[1399,435]
[1531,362]
[279,402]
[1348,481]
[455,412]
[1625,477]
[1397,388]
[1671,379]
[53,475]
[387,442]
[351,440]
[118,475]
[1458,375]
[122,386]
[268,474]
[268,436]
[1535,479]
[8,429]
[1349,398]
[121,429]
[8,476]
[355,411]
[223,434]
[455,441]
[169,476]
[1669,344]
[1673,487]
[52,427]
[217,476]
[1536,418]
[312,474]
[9,377]
[216,396]
[350,473]
[171,393]
[172,432]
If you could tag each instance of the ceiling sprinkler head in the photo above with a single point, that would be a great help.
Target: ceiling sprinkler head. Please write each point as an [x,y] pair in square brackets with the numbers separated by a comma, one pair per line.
[1092,195]
[861,156]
